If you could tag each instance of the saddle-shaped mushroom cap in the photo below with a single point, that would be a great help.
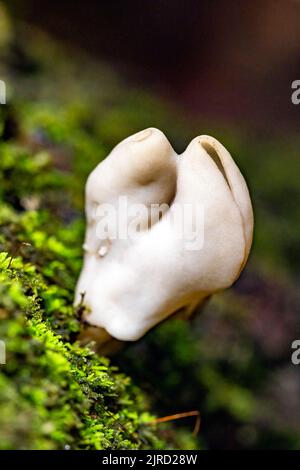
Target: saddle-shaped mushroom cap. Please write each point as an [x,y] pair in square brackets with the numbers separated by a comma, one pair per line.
[131,283]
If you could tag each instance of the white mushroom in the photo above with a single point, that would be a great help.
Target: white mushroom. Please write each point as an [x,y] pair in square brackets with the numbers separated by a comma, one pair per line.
[132,283]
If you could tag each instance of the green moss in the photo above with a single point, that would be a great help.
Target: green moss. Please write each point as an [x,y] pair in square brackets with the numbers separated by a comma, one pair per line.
[53,391]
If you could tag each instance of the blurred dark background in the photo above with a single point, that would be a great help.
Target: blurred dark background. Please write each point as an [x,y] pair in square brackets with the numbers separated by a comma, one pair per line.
[218,58]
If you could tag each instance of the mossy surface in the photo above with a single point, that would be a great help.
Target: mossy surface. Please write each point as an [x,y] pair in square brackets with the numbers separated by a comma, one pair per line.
[53,392]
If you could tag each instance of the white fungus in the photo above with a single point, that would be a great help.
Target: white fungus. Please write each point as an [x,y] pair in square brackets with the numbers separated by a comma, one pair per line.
[132,283]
